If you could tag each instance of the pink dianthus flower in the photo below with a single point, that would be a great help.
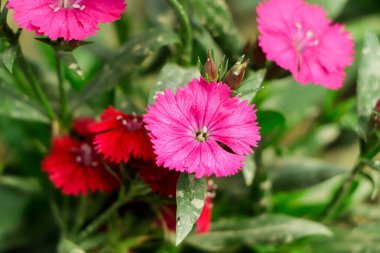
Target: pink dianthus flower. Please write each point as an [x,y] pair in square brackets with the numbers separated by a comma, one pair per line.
[201,129]
[68,19]
[300,38]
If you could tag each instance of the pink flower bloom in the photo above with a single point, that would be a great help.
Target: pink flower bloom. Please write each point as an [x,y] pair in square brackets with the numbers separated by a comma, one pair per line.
[300,38]
[201,129]
[68,19]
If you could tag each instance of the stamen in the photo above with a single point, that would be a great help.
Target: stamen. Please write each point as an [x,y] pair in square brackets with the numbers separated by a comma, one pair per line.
[309,34]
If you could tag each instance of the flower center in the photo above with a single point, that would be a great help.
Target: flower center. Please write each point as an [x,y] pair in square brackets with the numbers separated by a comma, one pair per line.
[202,134]
[67,4]
[303,39]
[131,123]
[86,156]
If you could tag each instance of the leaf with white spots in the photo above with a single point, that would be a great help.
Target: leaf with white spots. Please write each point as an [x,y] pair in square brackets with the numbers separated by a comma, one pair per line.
[263,230]
[216,17]
[68,58]
[368,81]
[249,88]
[249,170]
[191,195]
[125,62]
[172,77]
[9,56]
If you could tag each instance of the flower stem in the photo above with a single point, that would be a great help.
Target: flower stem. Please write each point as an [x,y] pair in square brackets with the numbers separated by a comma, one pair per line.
[29,75]
[62,92]
[341,193]
[81,214]
[186,33]
[102,219]
[58,217]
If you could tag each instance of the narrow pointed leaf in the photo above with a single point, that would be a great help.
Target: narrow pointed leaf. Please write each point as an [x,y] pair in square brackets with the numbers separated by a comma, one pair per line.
[9,56]
[368,82]
[191,195]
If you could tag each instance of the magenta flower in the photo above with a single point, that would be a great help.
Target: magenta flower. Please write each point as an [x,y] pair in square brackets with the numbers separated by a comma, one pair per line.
[201,129]
[300,38]
[68,19]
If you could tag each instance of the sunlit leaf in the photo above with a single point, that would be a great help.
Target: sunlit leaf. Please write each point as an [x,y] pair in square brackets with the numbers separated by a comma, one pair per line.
[368,81]
[216,17]
[191,194]
[9,56]
[172,77]
[267,229]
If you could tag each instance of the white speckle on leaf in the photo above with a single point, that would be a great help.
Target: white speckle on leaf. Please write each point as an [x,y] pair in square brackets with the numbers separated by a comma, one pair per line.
[180,194]
[197,203]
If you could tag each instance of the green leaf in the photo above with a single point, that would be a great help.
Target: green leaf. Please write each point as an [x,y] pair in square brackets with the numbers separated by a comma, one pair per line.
[67,246]
[299,173]
[16,105]
[9,56]
[125,62]
[216,17]
[249,88]
[368,82]
[68,58]
[12,207]
[172,77]
[266,229]
[28,185]
[191,194]
[333,8]
[249,170]
[270,121]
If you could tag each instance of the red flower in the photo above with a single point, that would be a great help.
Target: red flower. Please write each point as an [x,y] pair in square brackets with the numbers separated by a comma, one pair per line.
[81,127]
[160,179]
[120,136]
[204,220]
[76,168]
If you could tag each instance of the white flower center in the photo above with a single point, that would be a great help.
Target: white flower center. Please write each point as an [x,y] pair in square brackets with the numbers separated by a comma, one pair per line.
[85,156]
[303,39]
[67,4]
[132,123]
[202,134]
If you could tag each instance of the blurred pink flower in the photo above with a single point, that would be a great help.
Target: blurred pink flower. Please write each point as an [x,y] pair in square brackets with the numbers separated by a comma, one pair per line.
[68,19]
[201,129]
[300,38]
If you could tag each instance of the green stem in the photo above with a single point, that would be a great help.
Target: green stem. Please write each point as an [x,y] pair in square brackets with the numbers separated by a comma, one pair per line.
[186,33]
[29,75]
[62,91]
[341,193]
[58,217]
[261,191]
[81,214]
[103,218]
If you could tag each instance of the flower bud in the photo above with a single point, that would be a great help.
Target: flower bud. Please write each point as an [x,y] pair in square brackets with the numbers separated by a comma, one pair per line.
[236,74]
[210,69]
